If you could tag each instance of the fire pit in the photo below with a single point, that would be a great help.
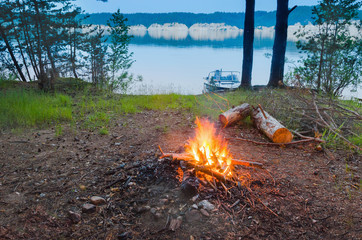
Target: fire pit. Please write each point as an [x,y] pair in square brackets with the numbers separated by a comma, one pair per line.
[208,153]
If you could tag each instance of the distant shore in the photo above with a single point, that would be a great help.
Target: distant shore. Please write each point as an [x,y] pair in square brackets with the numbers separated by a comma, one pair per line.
[216,31]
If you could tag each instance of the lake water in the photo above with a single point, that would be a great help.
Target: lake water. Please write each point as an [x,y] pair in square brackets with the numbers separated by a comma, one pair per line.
[179,66]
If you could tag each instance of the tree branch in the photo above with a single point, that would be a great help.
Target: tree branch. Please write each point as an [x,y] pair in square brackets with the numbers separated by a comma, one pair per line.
[291,10]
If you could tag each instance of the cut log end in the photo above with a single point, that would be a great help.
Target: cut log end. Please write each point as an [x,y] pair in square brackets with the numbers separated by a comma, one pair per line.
[223,120]
[282,135]
[234,115]
[273,129]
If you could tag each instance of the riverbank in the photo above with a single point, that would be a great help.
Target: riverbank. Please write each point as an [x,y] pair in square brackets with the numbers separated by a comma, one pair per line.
[109,148]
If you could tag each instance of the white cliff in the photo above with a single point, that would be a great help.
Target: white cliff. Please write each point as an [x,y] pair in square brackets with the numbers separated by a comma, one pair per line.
[213,31]
[168,31]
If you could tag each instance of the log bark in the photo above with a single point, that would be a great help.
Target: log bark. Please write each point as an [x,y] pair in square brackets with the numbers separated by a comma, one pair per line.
[234,115]
[273,129]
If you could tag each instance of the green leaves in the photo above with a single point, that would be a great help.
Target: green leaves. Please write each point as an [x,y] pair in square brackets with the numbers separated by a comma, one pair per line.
[334,56]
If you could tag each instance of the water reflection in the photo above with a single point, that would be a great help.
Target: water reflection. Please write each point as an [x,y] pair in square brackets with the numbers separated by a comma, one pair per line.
[169,31]
[215,35]
[213,32]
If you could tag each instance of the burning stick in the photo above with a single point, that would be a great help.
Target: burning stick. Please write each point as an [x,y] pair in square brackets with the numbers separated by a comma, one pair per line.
[187,157]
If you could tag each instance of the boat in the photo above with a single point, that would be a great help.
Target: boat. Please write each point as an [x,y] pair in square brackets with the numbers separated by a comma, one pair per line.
[219,80]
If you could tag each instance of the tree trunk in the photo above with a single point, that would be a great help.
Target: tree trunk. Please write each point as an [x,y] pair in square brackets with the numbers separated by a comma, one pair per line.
[321,59]
[8,46]
[274,130]
[248,44]
[234,115]
[280,44]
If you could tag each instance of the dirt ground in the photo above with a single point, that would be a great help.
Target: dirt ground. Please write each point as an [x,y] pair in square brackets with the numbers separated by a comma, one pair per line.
[302,193]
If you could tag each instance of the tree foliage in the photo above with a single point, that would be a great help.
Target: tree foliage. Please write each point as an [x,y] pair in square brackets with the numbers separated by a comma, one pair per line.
[120,60]
[48,39]
[333,57]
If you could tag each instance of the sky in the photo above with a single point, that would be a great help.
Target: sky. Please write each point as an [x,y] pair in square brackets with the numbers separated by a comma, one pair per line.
[194,6]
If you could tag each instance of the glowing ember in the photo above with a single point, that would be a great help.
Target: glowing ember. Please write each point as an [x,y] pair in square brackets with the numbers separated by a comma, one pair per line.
[209,149]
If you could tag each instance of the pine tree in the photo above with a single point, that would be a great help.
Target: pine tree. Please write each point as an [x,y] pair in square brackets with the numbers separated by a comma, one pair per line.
[119,58]
[334,57]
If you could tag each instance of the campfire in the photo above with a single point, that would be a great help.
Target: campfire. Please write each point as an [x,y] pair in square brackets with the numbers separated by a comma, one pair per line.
[208,153]
[209,149]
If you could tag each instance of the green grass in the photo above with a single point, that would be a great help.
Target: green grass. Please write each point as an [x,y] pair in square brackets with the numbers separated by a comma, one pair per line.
[103,131]
[21,108]
[94,110]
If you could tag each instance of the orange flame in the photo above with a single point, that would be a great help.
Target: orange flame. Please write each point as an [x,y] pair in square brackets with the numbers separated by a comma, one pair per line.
[209,149]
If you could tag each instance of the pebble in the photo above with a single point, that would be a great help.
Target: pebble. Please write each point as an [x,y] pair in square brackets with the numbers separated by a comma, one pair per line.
[204,212]
[195,206]
[74,217]
[175,223]
[97,200]
[124,236]
[158,215]
[206,205]
[190,186]
[88,208]
[193,216]
[153,210]
[164,201]
[194,198]
[143,209]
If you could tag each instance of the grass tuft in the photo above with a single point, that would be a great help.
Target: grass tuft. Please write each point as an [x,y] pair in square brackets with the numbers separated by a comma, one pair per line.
[21,108]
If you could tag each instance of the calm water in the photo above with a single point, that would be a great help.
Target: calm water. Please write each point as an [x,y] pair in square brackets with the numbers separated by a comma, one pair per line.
[180,65]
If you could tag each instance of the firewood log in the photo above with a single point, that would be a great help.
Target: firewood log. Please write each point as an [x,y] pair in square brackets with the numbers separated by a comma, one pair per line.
[234,115]
[273,129]
[188,158]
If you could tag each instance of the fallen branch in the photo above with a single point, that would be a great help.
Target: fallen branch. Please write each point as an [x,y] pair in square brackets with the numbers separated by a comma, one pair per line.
[262,111]
[331,128]
[278,144]
[188,157]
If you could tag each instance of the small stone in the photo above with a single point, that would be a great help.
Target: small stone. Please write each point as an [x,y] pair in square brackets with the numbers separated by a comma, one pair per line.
[124,236]
[97,200]
[194,198]
[190,186]
[175,223]
[204,212]
[82,187]
[158,215]
[193,216]
[117,144]
[206,205]
[153,210]
[164,201]
[194,206]
[74,217]
[143,209]
[88,208]
[116,189]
